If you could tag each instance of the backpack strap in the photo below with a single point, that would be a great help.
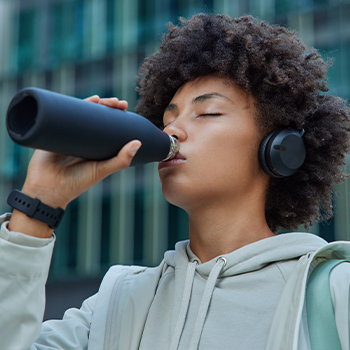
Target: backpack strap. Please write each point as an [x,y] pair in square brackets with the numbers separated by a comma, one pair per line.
[123,301]
[320,313]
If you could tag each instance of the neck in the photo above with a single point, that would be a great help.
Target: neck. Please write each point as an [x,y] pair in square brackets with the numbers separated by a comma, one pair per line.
[223,227]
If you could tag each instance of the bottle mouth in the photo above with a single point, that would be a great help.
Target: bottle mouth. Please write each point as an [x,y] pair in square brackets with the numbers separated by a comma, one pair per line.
[22,116]
[174,148]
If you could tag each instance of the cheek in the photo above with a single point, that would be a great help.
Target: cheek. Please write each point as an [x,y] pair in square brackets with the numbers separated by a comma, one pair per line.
[236,151]
[229,172]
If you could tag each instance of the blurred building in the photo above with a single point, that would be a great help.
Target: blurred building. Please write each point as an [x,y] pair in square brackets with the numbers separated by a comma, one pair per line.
[85,47]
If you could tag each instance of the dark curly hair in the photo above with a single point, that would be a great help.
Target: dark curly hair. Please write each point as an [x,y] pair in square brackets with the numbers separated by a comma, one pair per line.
[287,81]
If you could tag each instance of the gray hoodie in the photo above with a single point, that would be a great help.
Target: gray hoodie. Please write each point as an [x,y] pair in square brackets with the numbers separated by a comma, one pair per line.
[222,304]
[234,302]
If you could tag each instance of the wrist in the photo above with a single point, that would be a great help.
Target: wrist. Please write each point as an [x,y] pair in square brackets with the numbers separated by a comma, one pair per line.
[20,222]
[33,208]
[46,195]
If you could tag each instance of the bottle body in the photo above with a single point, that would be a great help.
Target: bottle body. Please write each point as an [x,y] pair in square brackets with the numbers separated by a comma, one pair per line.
[67,125]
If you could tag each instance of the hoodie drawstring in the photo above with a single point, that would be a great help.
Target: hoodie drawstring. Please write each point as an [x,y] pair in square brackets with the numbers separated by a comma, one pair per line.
[204,306]
[203,309]
[191,269]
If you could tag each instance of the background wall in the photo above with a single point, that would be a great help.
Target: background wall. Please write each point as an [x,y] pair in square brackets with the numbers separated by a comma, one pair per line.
[85,47]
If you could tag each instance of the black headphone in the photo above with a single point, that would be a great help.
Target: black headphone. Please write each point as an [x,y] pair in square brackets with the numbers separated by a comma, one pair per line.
[282,152]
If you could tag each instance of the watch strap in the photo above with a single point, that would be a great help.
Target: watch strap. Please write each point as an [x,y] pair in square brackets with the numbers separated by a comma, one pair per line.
[34,208]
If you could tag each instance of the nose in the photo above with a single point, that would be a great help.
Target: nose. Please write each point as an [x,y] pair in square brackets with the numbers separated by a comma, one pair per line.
[176,130]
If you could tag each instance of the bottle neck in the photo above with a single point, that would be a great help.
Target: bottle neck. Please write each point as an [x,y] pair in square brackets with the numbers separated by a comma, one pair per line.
[174,148]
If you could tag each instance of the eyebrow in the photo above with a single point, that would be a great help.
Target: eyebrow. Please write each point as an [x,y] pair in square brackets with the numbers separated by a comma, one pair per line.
[208,96]
[201,98]
[171,107]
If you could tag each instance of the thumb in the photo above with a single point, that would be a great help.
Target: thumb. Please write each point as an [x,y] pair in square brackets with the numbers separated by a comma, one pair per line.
[121,161]
[135,146]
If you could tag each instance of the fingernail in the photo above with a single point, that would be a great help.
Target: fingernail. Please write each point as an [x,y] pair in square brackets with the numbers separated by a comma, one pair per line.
[134,149]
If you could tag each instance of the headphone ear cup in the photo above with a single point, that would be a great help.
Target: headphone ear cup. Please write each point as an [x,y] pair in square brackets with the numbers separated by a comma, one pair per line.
[282,153]
[262,154]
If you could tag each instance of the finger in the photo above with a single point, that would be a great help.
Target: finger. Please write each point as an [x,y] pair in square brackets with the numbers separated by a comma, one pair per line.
[119,162]
[123,105]
[114,102]
[94,98]
[110,102]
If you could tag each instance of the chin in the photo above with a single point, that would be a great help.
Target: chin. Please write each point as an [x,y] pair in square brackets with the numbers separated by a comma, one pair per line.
[187,197]
[176,198]
[178,194]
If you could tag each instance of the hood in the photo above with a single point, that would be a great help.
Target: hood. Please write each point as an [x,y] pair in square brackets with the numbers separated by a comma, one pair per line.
[251,257]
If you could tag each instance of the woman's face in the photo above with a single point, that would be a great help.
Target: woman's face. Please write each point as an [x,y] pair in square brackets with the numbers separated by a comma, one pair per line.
[219,140]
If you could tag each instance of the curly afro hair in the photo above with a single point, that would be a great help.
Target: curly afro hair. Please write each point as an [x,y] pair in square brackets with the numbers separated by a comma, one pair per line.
[287,81]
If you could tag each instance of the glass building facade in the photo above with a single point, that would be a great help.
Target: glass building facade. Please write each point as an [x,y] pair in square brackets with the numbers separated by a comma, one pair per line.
[86,47]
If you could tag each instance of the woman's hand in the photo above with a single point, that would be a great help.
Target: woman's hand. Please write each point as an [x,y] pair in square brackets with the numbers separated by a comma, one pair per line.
[57,179]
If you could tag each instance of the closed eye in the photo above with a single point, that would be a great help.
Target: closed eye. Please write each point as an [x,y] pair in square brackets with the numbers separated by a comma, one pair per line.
[210,114]
[200,115]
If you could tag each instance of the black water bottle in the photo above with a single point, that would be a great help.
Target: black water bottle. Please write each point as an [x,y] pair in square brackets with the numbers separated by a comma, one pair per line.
[67,125]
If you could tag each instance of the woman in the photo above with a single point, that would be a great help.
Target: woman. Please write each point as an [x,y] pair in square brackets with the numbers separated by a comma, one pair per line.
[219,86]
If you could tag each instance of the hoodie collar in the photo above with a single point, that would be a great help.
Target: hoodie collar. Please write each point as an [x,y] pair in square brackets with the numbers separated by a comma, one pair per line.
[251,257]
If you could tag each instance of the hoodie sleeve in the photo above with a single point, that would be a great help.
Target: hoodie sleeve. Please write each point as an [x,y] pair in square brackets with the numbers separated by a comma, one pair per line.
[70,333]
[24,266]
[340,285]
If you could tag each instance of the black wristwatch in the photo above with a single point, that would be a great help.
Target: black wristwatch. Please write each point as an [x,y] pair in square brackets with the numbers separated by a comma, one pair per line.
[34,208]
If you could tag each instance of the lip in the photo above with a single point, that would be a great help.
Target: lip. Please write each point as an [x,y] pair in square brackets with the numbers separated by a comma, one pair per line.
[178,159]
